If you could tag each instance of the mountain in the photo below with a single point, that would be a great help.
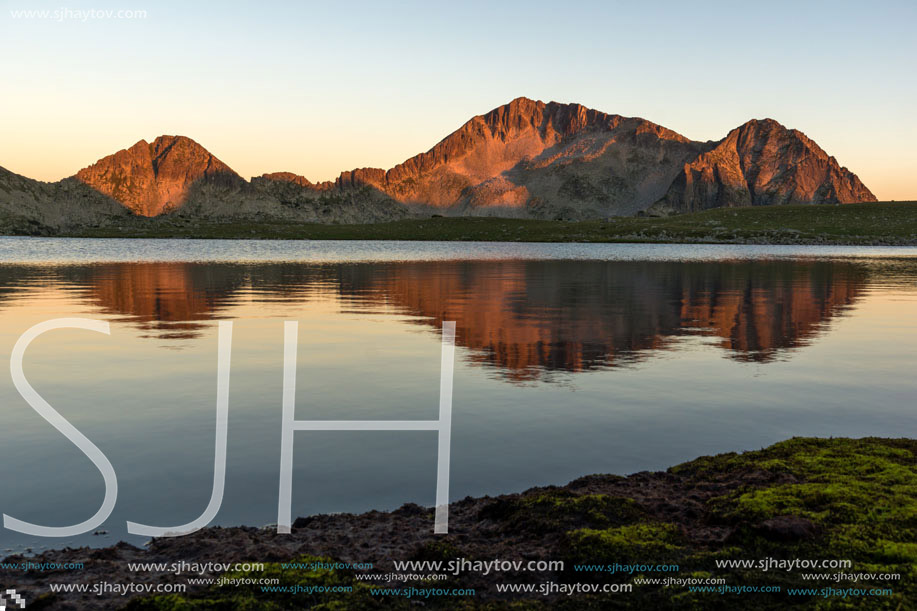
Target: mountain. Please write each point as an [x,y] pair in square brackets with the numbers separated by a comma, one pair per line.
[523,159]
[151,179]
[32,207]
[762,163]
[544,160]
[528,158]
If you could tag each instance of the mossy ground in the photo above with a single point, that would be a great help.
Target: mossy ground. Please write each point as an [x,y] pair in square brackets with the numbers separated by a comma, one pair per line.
[251,597]
[874,223]
[560,511]
[860,495]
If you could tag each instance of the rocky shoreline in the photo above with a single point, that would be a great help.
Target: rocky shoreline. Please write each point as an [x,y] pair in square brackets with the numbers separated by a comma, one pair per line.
[803,498]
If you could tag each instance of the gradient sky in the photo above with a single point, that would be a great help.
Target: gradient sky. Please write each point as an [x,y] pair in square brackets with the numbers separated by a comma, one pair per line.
[320,88]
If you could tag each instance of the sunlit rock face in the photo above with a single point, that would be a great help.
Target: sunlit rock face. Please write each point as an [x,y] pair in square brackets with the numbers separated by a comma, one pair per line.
[763,163]
[526,158]
[529,158]
[152,178]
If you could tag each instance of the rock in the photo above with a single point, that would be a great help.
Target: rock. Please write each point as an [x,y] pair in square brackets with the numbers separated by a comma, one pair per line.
[762,163]
[290,177]
[411,509]
[31,207]
[302,522]
[154,178]
[787,528]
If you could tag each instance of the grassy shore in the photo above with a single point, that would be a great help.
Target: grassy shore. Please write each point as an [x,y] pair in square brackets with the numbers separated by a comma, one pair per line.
[877,223]
[850,500]
[814,499]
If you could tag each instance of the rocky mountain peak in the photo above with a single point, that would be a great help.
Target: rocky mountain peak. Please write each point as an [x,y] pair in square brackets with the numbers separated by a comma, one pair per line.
[152,178]
[762,162]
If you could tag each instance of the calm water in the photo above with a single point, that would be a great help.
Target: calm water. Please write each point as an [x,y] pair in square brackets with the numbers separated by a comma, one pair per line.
[571,359]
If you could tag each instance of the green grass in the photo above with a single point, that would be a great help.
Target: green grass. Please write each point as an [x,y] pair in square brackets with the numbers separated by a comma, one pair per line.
[875,223]
[651,542]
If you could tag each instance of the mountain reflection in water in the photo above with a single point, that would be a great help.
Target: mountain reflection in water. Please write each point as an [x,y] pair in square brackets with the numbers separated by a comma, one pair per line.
[523,318]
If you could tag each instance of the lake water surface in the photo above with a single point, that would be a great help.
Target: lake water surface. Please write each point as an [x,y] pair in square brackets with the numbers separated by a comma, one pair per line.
[571,359]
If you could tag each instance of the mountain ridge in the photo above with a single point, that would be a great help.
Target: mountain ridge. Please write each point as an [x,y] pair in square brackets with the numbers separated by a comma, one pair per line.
[527,158]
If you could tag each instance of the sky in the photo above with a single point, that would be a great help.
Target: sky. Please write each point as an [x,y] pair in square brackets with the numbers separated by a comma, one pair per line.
[317,88]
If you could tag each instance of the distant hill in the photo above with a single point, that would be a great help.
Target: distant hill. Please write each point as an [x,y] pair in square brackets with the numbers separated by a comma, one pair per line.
[524,159]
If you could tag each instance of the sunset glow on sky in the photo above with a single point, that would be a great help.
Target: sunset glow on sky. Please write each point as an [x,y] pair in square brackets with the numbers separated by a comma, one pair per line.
[321,88]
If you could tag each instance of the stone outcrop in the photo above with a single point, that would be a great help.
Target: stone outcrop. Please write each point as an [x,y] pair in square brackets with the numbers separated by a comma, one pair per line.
[294,179]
